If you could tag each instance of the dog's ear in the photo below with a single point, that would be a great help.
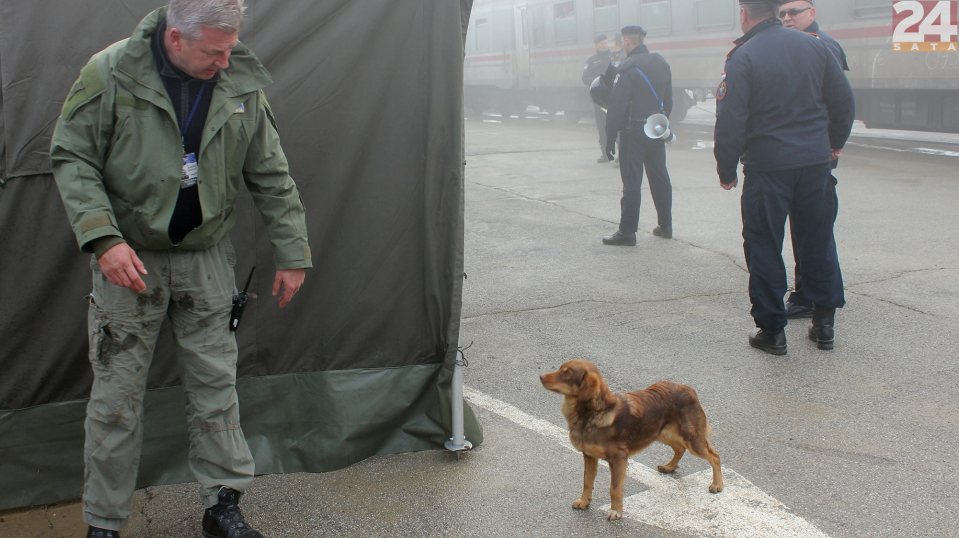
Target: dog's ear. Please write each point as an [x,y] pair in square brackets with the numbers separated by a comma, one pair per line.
[589,387]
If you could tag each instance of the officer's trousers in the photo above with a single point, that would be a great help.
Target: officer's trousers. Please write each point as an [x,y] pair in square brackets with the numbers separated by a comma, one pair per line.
[808,197]
[638,152]
[194,289]
[798,297]
[601,126]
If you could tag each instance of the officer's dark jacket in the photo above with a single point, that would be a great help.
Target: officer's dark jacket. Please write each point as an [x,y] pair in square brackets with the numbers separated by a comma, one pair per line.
[631,97]
[595,66]
[783,103]
[834,47]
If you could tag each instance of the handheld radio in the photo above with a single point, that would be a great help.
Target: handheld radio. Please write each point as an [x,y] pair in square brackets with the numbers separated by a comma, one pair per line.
[239,303]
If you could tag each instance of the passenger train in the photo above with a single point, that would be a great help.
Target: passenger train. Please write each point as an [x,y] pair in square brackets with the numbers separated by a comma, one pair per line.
[532,52]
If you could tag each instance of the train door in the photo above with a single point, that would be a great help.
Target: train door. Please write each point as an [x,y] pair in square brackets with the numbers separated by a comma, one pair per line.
[521,28]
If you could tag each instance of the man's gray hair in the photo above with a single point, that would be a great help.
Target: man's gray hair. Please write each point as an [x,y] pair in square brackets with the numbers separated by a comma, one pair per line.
[190,16]
[761,11]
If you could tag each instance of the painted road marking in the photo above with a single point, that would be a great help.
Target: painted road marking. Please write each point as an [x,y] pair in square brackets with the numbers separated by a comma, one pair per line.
[924,151]
[704,144]
[741,511]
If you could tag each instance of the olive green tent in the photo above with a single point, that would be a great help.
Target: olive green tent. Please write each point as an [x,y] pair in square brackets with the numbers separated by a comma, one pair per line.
[368,102]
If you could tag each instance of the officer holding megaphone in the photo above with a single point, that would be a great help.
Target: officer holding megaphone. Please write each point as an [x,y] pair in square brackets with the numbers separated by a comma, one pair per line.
[638,108]
[657,128]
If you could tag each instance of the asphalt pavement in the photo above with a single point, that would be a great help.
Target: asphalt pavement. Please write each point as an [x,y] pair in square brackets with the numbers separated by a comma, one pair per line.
[860,441]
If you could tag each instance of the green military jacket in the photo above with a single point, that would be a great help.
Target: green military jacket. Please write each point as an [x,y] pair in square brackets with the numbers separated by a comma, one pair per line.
[117,155]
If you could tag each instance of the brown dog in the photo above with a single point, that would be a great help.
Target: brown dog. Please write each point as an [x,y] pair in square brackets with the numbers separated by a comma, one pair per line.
[613,427]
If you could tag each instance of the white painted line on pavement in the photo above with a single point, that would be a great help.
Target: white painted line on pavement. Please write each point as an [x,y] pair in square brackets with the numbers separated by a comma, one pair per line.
[925,151]
[741,511]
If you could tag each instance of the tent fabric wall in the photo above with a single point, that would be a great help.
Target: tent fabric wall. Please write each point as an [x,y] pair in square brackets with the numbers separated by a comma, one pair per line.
[368,101]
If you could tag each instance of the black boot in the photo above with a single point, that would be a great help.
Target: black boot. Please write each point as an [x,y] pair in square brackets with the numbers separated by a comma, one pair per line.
[797,311]
[224,520]
[97,532]
[666,232]
[621,238]
[774,343]
[822,331]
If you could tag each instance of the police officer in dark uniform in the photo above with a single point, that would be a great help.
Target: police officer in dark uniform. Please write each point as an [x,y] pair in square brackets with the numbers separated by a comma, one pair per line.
[643,86]
[785,109]
[801,15]
[616,50]
[595,66]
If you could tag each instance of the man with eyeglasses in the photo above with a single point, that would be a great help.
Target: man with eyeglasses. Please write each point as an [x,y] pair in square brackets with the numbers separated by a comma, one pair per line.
[801,15]
[784,109]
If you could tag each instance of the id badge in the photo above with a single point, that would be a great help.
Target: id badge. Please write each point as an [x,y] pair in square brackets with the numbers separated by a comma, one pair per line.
[190,170]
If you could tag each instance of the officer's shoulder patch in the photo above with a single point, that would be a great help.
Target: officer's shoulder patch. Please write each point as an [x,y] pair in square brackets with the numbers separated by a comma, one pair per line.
[721,91]
[615,80]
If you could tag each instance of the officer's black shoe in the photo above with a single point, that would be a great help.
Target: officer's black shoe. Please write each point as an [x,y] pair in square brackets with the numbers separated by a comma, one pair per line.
[224,520]
[774,343]
[797,311]
[823,331]
[97,532]
[665,233]
[621,238]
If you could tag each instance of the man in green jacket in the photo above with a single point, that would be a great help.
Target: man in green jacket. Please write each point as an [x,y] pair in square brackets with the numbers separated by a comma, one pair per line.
[152,144]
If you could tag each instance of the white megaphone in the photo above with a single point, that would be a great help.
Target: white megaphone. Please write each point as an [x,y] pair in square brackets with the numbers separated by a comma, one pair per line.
[657,128]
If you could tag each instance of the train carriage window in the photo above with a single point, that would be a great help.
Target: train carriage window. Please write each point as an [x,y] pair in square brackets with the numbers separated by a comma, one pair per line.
[715,15]
[482,35]
[564,22]
[537,26]
[655,16]
[605,16]
[871,8]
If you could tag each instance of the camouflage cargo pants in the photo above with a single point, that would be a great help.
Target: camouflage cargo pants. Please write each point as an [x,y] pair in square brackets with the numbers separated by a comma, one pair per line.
[194,289]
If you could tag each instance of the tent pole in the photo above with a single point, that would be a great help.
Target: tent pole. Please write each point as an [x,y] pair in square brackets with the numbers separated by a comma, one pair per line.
[458,442]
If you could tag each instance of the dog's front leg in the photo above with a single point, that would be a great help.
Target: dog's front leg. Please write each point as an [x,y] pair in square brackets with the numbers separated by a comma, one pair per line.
[589,476]
[617,471]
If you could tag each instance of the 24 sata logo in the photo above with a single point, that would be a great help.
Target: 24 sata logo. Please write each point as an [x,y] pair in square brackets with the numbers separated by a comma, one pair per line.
[924,26]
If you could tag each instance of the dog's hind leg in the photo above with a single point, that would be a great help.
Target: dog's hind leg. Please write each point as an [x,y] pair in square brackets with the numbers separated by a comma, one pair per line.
[670,436]
[589,477]
[678,451]
[617,471]
[700,447]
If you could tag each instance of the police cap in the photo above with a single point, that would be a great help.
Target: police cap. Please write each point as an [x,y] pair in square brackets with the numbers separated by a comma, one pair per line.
[633,30]
[599,37]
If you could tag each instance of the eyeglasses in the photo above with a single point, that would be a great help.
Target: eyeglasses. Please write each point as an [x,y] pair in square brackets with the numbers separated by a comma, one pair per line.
[793,12]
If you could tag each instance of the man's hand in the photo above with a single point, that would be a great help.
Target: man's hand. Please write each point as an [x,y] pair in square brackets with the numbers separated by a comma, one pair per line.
[835,153]
[730,186]
[288,281]
[611,150]
[122,267]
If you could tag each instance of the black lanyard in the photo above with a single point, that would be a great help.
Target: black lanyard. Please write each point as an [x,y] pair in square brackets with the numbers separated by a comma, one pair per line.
[189,118]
